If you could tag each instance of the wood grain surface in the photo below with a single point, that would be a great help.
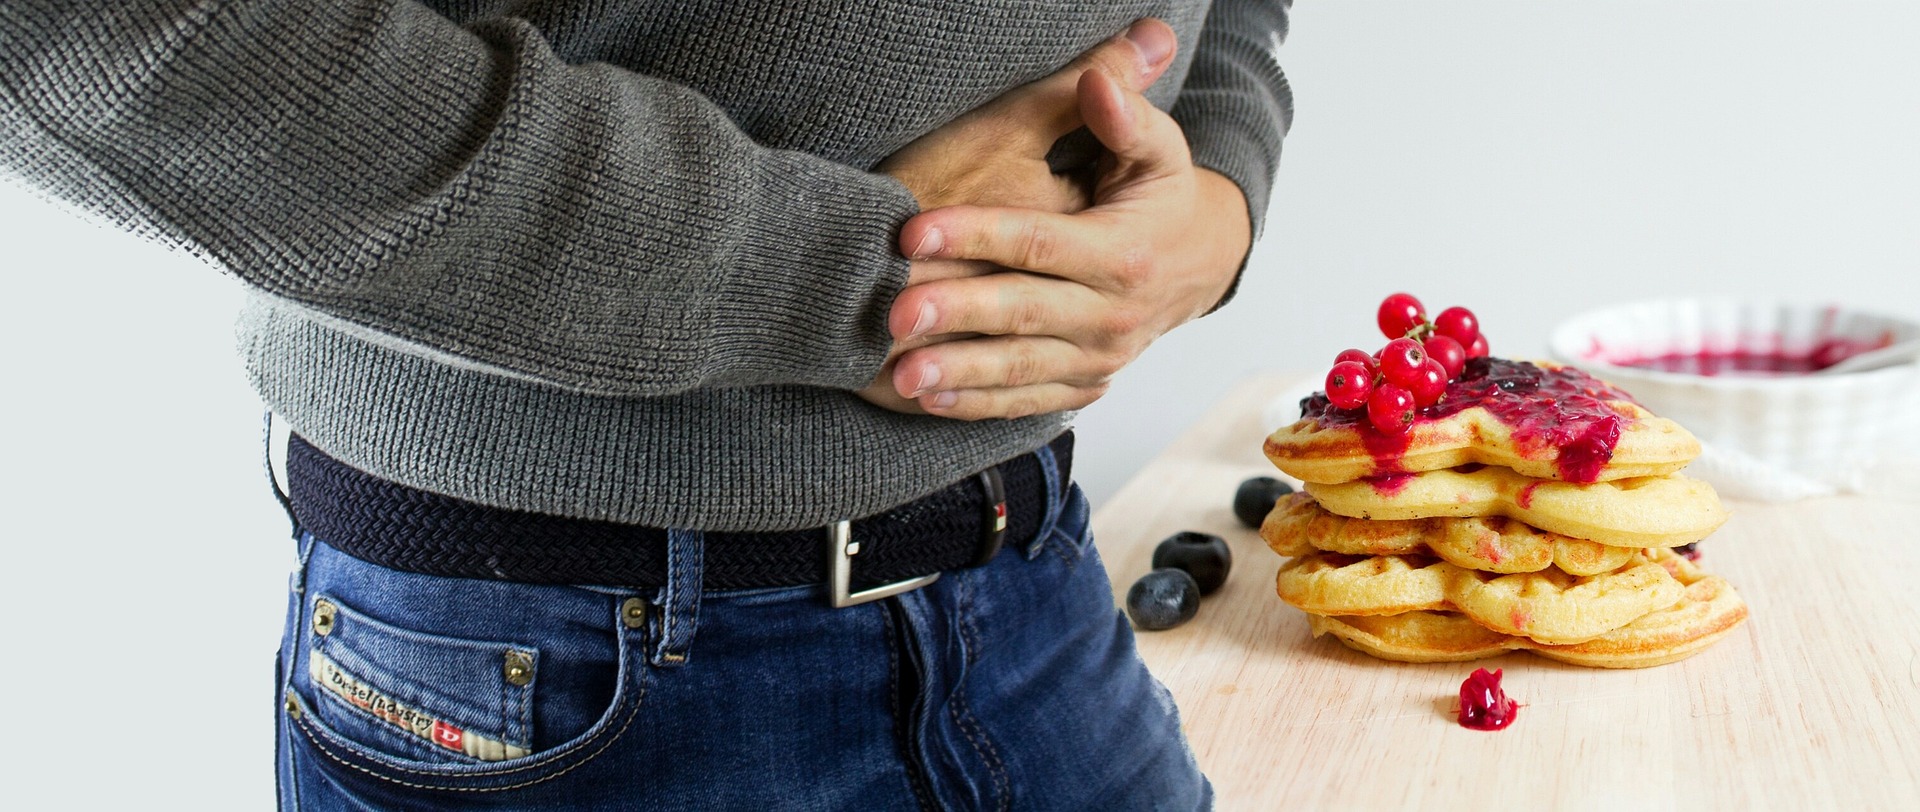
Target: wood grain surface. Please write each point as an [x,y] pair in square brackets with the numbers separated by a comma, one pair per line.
[1813,703]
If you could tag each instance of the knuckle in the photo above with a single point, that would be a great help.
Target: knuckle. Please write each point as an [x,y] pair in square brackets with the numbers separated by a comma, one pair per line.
[957,371]
[1116,60]
[1028,316]
[1133,268]
[1119,323]
[1039,244]
[974,407]
[1023,365]
[1024,405]
[985,378]
[1115,57]
[980,235]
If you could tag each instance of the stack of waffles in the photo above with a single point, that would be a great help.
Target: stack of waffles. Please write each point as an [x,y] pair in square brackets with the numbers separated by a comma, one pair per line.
[1537,510]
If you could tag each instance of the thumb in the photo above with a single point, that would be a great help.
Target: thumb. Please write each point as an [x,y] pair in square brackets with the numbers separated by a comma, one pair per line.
[1048,108]
[1144,140]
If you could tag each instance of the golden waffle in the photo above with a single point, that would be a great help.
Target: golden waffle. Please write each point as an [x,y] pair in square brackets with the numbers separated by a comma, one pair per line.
[1299,526]
[1549,606]
[1708,610]
[1321,448]
[1311,452]
[1662,511]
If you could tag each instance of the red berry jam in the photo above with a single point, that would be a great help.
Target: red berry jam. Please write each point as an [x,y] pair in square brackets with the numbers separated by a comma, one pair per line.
[1388,484]
[1551,411]
[1741,362]
[1483,704]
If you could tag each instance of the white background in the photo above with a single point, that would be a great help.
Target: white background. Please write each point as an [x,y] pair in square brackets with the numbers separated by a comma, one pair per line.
[1529,160]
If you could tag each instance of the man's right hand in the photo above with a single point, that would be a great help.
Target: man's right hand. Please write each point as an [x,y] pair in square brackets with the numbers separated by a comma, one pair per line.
[996,155]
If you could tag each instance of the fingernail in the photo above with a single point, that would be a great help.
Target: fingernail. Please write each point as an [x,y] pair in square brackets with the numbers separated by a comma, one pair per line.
[929,378]
[922,323]
[944,400]
[1154,41]
[931,241]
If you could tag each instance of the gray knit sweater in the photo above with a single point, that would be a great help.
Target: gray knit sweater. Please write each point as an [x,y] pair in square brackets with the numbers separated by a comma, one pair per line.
[614,259]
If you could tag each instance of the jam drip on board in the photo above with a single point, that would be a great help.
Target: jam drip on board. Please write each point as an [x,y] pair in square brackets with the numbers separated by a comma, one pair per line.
[1548,410]
[1484,705]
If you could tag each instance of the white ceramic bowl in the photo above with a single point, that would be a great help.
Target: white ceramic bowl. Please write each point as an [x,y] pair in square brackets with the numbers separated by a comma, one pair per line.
[1768,435]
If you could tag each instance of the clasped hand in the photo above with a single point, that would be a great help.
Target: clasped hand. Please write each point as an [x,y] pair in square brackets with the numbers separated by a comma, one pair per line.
[1028,291]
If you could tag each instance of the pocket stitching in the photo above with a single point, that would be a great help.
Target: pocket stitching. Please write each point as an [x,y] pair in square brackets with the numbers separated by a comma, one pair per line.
[509,696]
[310,731]
[394,690]
[630,693]
[409,741]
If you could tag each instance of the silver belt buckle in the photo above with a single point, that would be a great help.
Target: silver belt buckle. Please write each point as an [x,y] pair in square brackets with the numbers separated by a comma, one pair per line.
[841,548]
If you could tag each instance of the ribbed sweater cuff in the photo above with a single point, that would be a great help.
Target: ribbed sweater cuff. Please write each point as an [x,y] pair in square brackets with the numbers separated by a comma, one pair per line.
[833,230]
[1220,130]
[1230,150]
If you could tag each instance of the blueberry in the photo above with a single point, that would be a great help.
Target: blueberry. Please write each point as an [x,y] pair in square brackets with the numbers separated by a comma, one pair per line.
[1255,498]
[1201,555]
[1163,599]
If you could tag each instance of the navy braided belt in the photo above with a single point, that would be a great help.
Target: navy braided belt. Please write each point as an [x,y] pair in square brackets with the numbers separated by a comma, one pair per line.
[404,528]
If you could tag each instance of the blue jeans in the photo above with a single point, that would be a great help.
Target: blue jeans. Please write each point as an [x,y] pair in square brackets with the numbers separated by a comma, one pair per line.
[1010,686]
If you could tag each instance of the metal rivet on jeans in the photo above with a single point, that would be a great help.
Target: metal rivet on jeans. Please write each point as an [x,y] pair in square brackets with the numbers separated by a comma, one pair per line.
[633,613]
[323,612]
[293,708]
[519,668]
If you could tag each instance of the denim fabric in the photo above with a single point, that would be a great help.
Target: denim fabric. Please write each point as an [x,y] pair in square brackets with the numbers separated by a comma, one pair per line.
[1011,686]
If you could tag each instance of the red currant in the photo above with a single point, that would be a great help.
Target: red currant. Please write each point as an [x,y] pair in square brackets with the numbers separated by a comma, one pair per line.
[1390,409]
[1400,362]
[1483,704]
[1400,313]
[1430,385]
[1478,349]
[1349,384]
[1360,358]
[1451,355]
[1457,323]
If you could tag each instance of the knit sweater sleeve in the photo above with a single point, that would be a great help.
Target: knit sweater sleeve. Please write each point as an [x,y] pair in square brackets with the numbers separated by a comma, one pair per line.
[458,188]
[1236,105]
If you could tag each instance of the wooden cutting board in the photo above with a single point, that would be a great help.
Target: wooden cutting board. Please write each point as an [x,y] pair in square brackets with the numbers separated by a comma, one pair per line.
[1814,703]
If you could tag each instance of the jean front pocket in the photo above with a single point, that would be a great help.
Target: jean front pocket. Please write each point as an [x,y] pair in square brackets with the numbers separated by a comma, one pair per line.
[403,682]
[422,696]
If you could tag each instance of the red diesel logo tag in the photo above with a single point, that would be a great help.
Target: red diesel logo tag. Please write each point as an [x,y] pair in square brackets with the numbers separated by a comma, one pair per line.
[447,735]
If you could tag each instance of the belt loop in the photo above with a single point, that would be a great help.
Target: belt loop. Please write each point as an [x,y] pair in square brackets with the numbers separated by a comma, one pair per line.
[679,600]
[993,519]
[266,457]
[1050,477]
